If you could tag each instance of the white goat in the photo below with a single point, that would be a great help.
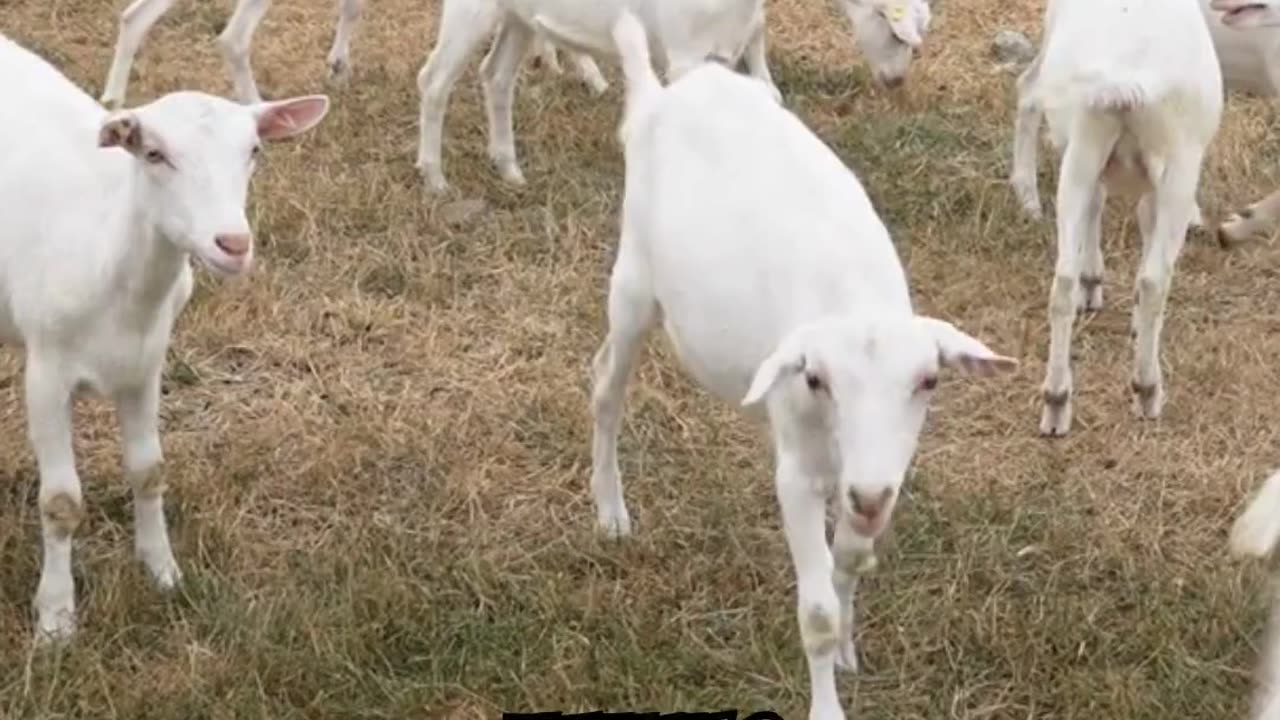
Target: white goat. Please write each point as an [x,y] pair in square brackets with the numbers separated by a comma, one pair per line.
[1255,533]
[101,212]
[781,291]
[1248,48]
[682,35]
[237,37]
[1133,95]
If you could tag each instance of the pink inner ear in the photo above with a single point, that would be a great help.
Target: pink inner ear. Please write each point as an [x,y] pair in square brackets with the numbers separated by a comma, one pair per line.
[287,118]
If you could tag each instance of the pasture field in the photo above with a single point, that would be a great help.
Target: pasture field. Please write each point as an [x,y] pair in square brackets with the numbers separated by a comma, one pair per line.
[378,444]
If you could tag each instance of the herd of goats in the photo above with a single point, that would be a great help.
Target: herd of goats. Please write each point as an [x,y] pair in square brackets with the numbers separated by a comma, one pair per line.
[773,276]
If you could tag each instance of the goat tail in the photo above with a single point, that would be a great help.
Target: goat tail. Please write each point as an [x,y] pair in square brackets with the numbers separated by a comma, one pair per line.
[1257,529]
[637,67]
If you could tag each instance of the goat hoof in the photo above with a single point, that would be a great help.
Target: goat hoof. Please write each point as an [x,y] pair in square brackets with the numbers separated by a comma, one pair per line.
[1148,399]
[55,629]
[339,72]
[847,656]
[1055,420]
[615,526]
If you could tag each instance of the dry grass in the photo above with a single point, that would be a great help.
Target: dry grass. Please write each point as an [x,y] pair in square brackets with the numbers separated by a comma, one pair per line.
[379,444]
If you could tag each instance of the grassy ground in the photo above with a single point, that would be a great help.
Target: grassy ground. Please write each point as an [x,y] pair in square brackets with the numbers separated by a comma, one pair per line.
[379,443]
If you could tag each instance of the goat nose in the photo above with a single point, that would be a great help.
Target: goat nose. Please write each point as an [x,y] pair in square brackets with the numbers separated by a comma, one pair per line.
[869,505]
[235,244]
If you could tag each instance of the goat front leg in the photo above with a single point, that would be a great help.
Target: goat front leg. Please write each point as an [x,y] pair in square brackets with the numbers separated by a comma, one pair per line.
[236,40]
[1255,222]
[48,399]
[138,410]
[339,60]
[1026,137]
[853,555]
[499,71]
[818,608]
[135,23]
[1086,154]
[1175,195]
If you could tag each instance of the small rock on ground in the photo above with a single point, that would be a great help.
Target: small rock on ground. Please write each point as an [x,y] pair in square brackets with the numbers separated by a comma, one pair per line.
[460,212]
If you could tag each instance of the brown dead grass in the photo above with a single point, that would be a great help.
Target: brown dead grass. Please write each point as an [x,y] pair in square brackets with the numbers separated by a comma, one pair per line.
[378,445]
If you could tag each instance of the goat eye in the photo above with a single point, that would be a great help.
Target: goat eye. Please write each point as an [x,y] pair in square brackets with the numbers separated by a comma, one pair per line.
[155,157]
[255,152]
[929,383]
[814,382]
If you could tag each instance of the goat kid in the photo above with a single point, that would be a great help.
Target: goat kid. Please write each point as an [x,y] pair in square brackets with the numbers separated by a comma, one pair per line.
[1133,94]
[101,212]
[781,292]
[1248,49]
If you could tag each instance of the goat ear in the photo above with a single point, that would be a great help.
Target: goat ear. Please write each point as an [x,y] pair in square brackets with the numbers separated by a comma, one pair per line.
[902,21]
[121,129]
[961,351]
[285,118]
[782,362]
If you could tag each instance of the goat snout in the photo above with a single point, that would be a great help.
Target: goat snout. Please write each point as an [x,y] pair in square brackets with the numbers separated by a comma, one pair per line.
[868,511]
[892,82]
[234,244]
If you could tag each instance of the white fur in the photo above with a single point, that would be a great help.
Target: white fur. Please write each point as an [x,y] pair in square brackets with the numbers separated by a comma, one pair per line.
[1247,37]
[682,34]
[237,38]
[101,211]
[1248,52]
[1255,534]
[1257,529]
[771,270]
[1133,94]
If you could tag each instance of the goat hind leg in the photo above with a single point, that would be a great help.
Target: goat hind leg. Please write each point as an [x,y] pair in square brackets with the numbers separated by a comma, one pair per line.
[339,59]
[463,24]
[631,314]
[1079,174]
[500,70]
[1092,262]
[236,41]
[1175,195]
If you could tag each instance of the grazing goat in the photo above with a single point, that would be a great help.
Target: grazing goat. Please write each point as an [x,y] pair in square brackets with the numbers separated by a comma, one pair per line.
[102,211]
[682,36]
[1133,94]
[782,292]
[1248,49]
[1255,534]
[137,19]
